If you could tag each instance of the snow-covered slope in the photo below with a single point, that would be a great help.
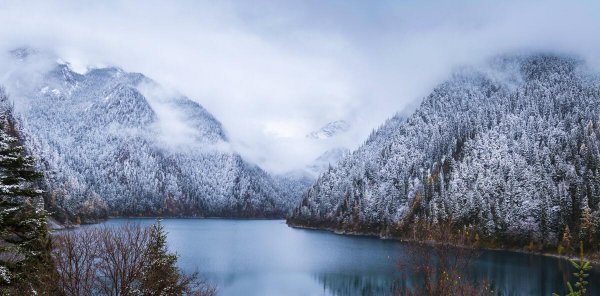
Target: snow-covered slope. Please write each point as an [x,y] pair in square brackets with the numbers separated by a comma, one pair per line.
[116,143]
[330,130]
[329,158]
[510,150]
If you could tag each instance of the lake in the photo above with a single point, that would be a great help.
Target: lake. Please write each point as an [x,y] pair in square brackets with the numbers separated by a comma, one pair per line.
[266,257]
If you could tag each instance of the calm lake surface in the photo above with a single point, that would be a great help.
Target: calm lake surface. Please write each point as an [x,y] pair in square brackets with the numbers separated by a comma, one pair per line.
[266,257]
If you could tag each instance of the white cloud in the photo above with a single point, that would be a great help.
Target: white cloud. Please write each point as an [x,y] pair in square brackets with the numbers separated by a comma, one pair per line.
[272,71]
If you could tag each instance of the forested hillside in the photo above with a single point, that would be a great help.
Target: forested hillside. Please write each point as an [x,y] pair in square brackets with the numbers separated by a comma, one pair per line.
[116,143]
[508,151]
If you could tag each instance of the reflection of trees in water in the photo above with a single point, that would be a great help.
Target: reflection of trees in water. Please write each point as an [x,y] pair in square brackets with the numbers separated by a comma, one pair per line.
[507,273]
[352,284]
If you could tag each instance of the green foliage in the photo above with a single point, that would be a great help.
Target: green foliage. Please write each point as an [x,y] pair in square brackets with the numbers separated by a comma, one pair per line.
[560,249]
[26,265]
[582,267]
[161,276]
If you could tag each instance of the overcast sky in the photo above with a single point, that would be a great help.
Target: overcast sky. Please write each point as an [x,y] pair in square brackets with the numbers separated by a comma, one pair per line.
[273,71]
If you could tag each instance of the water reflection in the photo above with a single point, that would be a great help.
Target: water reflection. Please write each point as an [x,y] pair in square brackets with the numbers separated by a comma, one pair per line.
[265,257]
[356,285]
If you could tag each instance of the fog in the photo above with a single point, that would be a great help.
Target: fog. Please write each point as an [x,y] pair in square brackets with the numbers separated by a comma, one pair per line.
[273,71]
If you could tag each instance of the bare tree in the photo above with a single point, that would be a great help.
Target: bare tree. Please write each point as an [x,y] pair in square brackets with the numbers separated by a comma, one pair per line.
[74,255]
[115,261]
[195,286]
[439,268]
[121,258]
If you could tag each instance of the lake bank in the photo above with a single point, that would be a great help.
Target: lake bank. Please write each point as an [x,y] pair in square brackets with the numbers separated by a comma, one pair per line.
[593,258]
[266,257]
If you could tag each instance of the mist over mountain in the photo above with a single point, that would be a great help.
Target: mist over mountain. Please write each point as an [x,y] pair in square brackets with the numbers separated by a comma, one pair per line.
[509,150]
[117,143]
[299,147]
[329,130]
[329,158]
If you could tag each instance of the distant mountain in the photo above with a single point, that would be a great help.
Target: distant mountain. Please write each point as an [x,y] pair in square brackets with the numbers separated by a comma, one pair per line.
[117,143]
[329,158]
[296,183]
[330,130]
[333,155]
[299,180]
[509,151]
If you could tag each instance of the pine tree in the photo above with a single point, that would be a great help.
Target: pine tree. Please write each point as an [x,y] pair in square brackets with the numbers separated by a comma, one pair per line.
[161,276]
[583,268]
[26,266]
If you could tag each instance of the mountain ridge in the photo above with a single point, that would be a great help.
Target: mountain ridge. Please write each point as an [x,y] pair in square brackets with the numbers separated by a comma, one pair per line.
[496,150]
[329,130]
[115,143]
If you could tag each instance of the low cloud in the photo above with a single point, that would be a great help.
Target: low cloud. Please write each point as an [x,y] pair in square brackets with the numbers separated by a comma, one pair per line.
[273,71]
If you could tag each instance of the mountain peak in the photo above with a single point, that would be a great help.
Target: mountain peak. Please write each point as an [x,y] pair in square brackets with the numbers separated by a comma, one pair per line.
[22,53]
[499,146]
[330,130]
[329,158]
[122,139]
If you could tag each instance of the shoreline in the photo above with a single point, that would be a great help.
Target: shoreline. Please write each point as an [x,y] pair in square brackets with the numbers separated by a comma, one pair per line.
[594,262]
[56,225]
[59,226]
[187,217]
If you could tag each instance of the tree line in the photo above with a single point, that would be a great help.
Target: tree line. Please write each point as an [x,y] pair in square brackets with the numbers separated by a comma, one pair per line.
[509,151]
[128,260]
[124,260]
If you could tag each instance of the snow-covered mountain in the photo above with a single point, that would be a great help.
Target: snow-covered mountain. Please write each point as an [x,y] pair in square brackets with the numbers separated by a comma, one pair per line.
[329,130]
[117,143]
[509,150]
[332,155]
[329,158]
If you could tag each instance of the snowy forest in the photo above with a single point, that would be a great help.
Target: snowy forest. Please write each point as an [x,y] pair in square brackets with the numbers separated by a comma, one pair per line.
[25,262]
[299,148]
[35,262]
[105,150]
[508,151]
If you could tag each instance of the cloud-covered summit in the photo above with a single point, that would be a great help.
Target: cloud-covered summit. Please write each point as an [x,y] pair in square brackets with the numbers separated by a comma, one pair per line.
[330,130]
[273,71]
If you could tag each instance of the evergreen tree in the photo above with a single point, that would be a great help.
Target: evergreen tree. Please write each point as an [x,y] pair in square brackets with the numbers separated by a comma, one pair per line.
[524,159]
[25,263]
[161,276]
[583,267]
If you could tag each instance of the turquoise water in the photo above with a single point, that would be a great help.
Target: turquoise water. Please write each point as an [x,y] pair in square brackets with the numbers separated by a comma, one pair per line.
[266,257]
